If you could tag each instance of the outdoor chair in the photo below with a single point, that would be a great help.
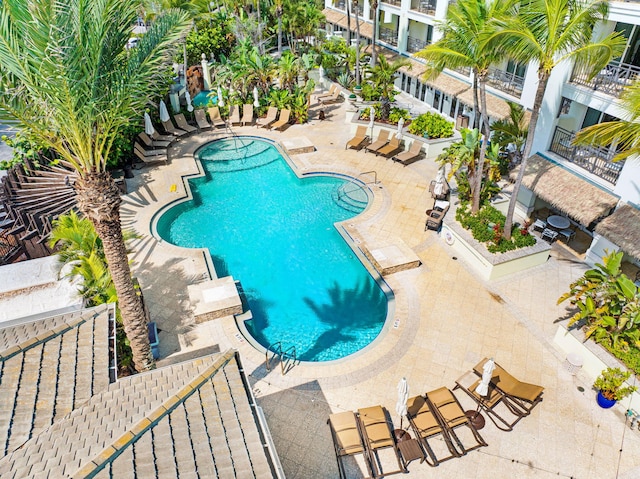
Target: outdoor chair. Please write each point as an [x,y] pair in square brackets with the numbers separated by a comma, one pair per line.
[383,139]
[201,119]
[215,117]
[450,413]
[234,115]
[152,152]
[426,426]
[568,234]
[549,235]
[170,128]
[347,440]
[378,435]
[148,141]
[282,121]
[149,159]
[523,395]
[332,90]
[158,137]
[182,123]
[408,157]
[468,383]
[359,139]
[272,114]
[539,225]
[435,217]
[390,148]
[334,97]
[247,114]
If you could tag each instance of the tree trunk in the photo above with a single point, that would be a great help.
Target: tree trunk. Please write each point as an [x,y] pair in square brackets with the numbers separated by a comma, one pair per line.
[355,12]
[279,13]
[99,200]
[374,4]
[484,129]
[543,78]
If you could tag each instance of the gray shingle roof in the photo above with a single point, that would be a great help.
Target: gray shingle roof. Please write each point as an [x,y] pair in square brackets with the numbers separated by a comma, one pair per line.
[48,368]
[193,419]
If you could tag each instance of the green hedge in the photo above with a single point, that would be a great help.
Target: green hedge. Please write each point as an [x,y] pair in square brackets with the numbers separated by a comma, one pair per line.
[431,125]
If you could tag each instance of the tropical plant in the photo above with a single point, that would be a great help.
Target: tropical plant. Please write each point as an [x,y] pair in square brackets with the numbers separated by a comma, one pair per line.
[511,133]
[610,382]
[609,303]
[212,36]
[24,148]
[69,81]
[382,77]
[550,32]
[432,125]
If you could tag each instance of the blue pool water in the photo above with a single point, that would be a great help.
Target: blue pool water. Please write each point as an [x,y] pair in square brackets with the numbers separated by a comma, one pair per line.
[275,233]
[203,98]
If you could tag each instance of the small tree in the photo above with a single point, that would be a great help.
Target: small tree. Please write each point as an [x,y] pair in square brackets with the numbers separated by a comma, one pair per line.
[610,382]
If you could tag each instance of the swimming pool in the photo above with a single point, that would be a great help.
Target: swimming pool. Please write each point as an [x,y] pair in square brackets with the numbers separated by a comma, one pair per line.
[203,98]
[275,233]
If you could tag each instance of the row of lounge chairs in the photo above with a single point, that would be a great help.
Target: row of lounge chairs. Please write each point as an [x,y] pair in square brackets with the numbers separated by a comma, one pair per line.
[385,146]
[442,429]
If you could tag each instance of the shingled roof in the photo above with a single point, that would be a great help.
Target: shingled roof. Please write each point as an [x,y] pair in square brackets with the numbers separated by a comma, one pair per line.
[194,419]
[50,367]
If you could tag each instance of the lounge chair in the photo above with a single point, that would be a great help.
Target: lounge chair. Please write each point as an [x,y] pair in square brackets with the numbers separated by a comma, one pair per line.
[468,383]
[335,96]
[150,159]
[523,395]
[426,426]
[383,139]
[201,119]
[450,414]
[182,123]
[272,114]
[158,137]
[390,148]
[148,141]
[247,114]
[408,157]
[332,90]
[282,121]
[378,435]
[170,128]
[347,440]
[215,117]
[152,152]
[435,217]
[359,139]
[234,114]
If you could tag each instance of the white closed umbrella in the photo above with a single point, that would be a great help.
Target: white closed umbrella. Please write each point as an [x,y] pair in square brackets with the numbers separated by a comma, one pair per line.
[164,113]
[487,373]
[148,125]
[187,98]
[220,99]
[400,126]
[321,73]
[403,397]
[372,118]
[256,100]
[438,189]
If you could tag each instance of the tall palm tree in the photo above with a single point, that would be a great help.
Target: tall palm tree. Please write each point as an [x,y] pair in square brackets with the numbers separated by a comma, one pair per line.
[68,80]
[549,32]
[355,13]
[279,10]
[462,45]
[512,130]
[624,134]
[382,76]
[374,54]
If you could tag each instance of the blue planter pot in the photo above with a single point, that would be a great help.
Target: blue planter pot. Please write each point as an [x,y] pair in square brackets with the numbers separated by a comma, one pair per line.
[603,402]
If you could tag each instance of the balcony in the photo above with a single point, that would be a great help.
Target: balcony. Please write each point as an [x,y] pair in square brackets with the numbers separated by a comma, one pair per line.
[504,81]
[340,4]
[389,36]
[594,159]
[611,80]
[424,6]
[393,2]
[466,71]
[415,45]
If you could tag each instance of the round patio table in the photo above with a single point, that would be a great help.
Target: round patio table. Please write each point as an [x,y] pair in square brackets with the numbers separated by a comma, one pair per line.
[558,222]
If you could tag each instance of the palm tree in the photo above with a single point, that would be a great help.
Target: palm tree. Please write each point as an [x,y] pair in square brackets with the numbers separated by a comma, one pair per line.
[512,130]
[550,32]
[624,134]
[68,80]
[279,10]
[382,76]
[462,45]
[355,12]
[374,7]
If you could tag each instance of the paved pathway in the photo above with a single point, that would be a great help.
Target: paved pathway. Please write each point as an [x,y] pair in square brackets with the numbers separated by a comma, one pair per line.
[448,319]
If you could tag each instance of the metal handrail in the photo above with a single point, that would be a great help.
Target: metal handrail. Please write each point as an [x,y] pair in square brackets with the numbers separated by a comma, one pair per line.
[288,357]
[353,181]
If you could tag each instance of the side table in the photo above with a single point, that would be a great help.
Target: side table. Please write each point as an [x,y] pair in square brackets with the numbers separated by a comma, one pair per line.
[410,450]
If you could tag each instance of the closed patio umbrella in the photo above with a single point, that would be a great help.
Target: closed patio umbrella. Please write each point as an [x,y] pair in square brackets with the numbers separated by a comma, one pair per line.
[438,189]
[487,373]
[148,125]
[187,98]
[256,100]
[403,396]
[321,73]
[372,119]
[400,126]
[220,99]
[164,113]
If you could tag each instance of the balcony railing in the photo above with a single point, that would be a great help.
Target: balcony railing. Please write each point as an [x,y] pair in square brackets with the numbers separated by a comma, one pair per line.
[466,71]
[611,80]
[594,159]
[340,4]
[505,81]
[415,45]
[388,35]
[424,6]
[393,2]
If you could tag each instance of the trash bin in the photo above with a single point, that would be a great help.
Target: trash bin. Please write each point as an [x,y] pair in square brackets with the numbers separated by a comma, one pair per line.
[154,340]
[574,363]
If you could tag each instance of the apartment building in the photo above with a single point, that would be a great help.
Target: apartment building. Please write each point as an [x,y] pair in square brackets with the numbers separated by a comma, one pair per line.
[600,196]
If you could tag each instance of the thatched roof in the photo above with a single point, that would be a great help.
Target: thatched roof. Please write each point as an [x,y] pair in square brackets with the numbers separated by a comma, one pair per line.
[623,229]
[338,18]
[448,85]
[497,108]
[567,192]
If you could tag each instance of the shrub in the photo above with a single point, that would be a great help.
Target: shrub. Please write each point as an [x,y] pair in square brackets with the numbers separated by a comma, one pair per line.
[434,125]
[396,113]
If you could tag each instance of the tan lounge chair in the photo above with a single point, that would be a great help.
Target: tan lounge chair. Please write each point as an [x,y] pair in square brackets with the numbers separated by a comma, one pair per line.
[426,426]
[152,143]
[383,139]
[359,139]
[201,119]
[523,395]
[158,137]
[408,157]
[450,414]
[332,90]
[347,440]
[390,148]
[215,117]
[152,152]
[334,97]
[182,123]
[282,121]
[150,159]
[266,122]
[234,114]
[247,114]
[170,128]
[378,435]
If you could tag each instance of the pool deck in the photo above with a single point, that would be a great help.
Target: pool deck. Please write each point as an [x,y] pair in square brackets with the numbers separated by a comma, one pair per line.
[446,319]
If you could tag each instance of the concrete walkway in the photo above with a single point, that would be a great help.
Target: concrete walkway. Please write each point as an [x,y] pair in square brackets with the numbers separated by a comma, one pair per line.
[446,320]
